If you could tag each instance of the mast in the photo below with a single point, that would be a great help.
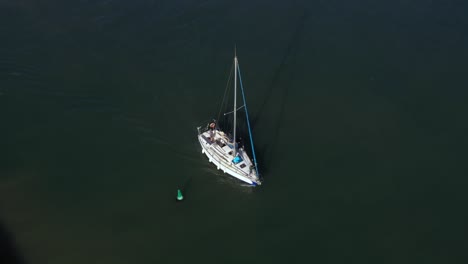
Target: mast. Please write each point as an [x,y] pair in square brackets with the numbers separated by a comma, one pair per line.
[235,101]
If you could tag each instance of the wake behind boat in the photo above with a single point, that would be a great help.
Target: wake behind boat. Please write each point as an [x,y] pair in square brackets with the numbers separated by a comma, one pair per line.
[223,150]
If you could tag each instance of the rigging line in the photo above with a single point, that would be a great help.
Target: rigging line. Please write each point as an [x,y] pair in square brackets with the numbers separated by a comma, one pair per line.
[239,108]
[225,92]
[248,122]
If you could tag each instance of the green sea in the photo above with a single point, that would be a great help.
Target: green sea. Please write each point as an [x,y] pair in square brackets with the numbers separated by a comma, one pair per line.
[358,110]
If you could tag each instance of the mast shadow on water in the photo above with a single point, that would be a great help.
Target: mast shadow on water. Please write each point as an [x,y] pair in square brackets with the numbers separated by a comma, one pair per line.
[283,75]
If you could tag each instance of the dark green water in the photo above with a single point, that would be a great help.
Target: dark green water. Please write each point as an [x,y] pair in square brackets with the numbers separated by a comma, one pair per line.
[359,114]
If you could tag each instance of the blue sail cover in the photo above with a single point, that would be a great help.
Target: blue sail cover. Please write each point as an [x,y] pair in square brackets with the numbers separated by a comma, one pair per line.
[237,159]
[248,121]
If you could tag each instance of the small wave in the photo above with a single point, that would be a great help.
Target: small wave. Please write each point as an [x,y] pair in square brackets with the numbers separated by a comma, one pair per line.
[16,70]
[87,103]
[22,77]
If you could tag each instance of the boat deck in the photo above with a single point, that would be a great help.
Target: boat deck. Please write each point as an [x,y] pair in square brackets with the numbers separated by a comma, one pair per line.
[218,147]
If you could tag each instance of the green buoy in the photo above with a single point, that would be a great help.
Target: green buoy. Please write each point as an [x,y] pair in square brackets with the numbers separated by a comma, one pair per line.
[180,197]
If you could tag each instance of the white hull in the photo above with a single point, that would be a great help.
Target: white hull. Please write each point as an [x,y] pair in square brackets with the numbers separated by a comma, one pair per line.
[215,146]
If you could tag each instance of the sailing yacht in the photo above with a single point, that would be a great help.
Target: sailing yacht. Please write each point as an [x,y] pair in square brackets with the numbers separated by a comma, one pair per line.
[222,150]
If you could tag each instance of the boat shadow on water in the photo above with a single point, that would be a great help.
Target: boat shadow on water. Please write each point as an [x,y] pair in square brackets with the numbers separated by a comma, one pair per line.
[9,253]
